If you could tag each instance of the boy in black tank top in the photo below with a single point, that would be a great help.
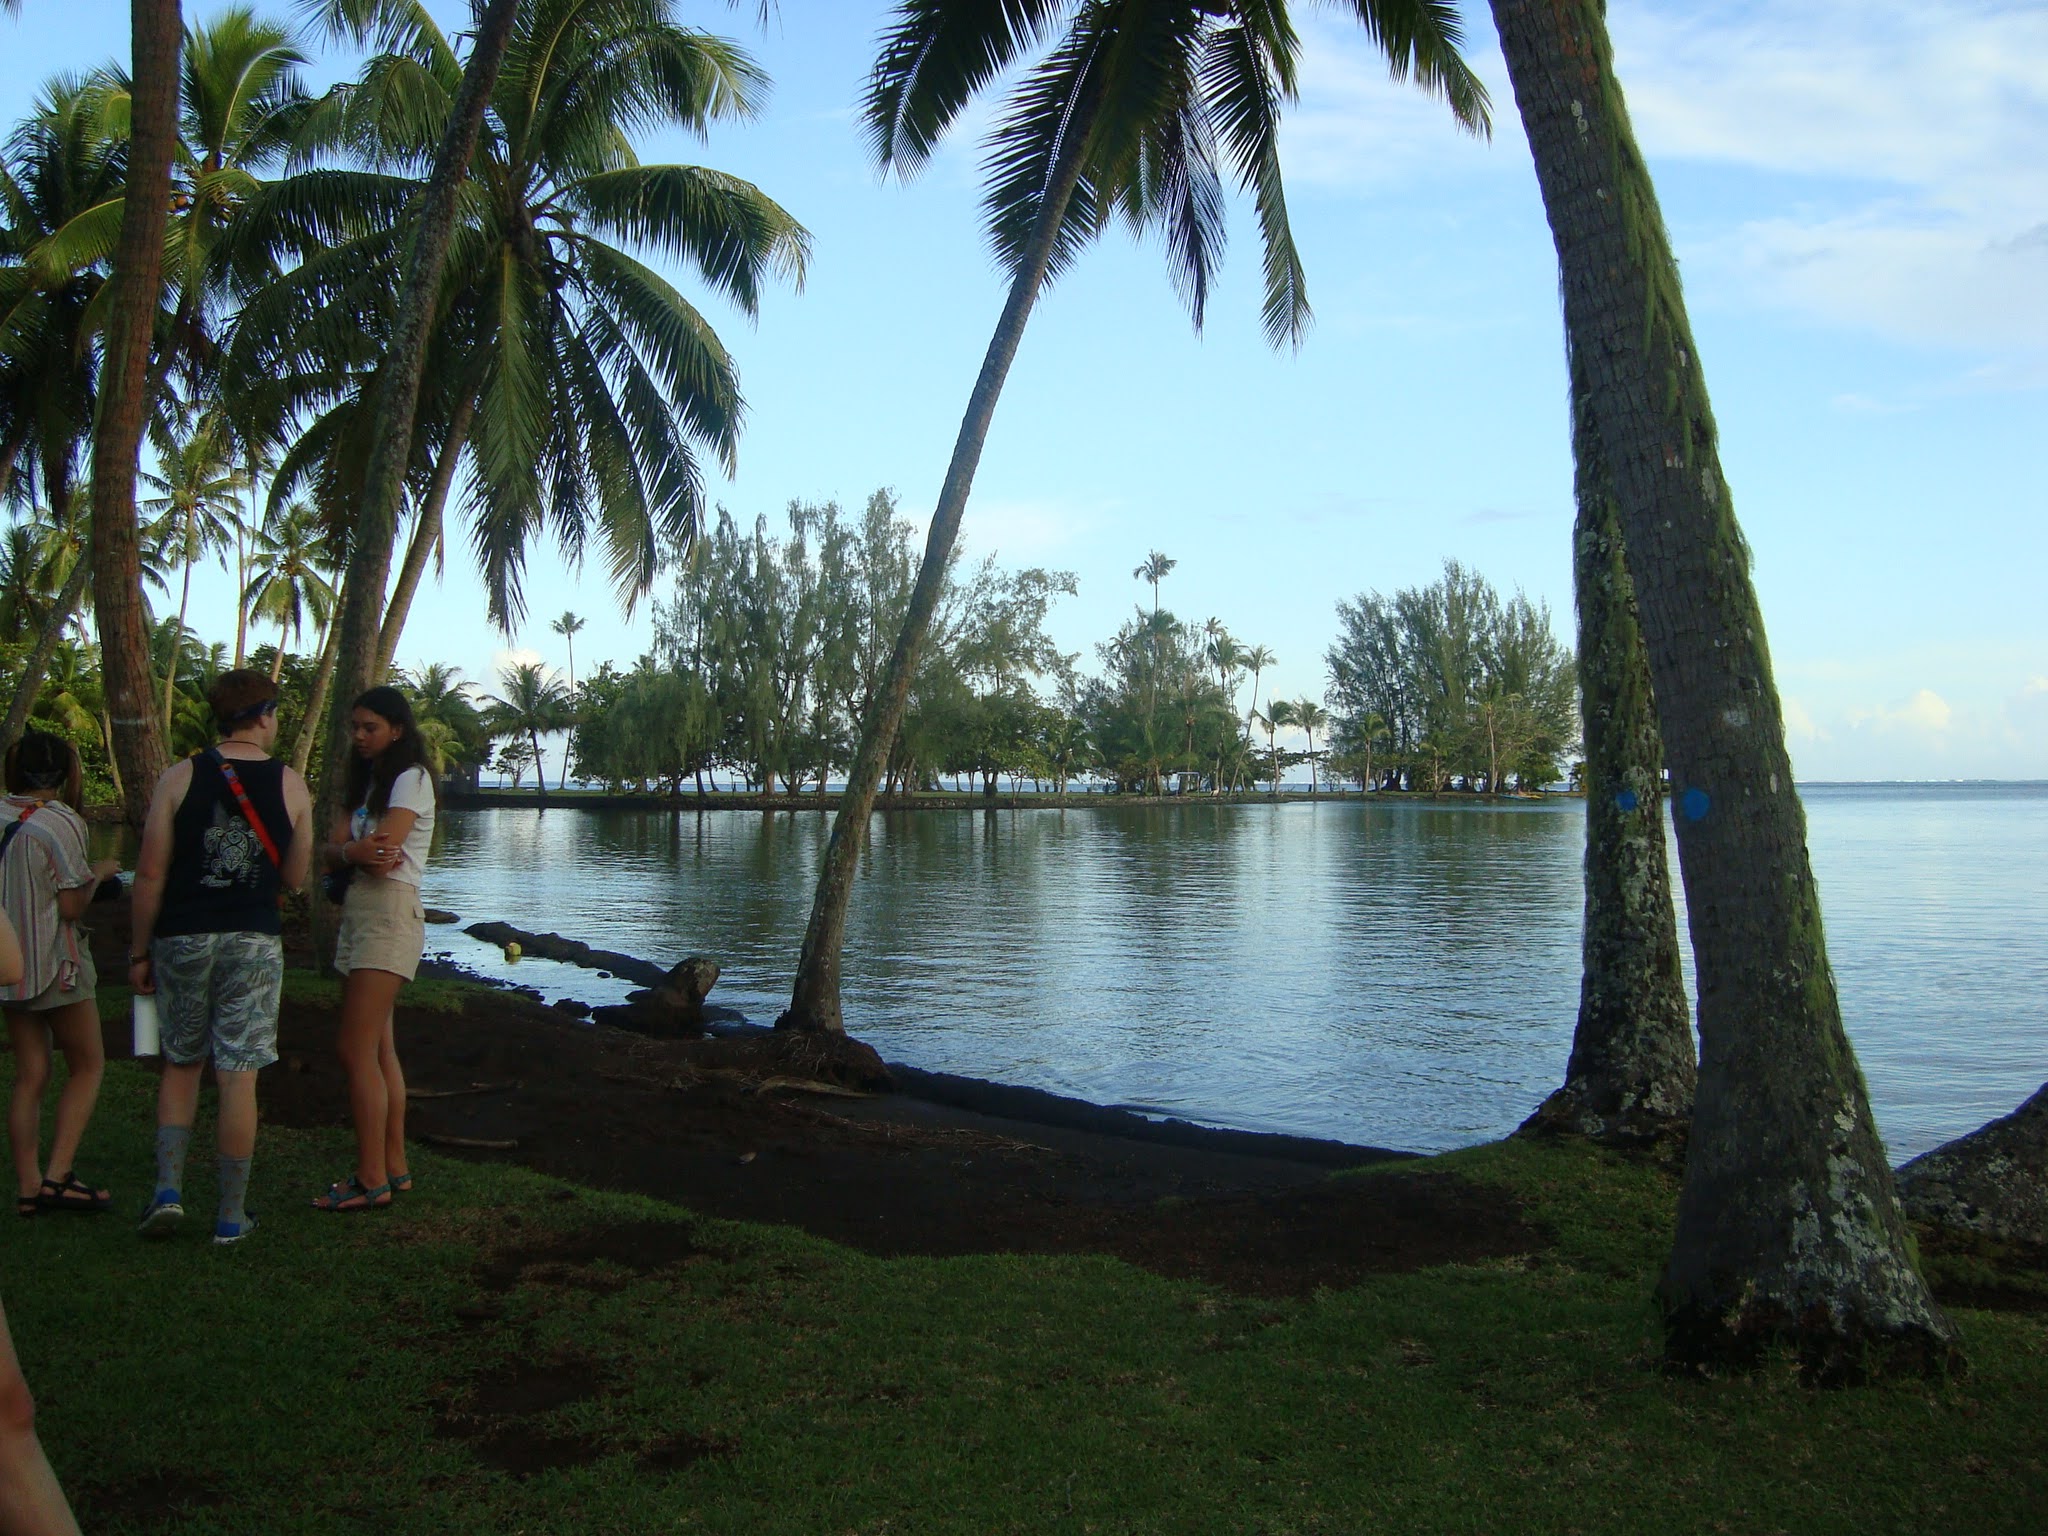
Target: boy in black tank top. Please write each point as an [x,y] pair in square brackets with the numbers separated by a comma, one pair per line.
[228,830]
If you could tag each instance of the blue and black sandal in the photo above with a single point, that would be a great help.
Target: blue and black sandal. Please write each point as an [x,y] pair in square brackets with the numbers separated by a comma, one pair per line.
[351,1198]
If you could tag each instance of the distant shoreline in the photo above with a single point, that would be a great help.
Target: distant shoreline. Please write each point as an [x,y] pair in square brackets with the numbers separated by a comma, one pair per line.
[970,800]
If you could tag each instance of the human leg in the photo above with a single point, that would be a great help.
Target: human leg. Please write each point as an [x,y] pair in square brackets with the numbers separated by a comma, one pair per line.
[366,1000]
[31,1502]
[31,1041]
[75,1028]
[237,1148]
[183,967]
[396,1164]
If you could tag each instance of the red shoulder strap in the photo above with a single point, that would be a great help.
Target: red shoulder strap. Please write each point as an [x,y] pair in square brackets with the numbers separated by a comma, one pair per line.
[227,771]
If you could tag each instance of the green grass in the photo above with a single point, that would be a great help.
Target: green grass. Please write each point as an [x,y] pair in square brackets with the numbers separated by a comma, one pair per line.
[315,1377]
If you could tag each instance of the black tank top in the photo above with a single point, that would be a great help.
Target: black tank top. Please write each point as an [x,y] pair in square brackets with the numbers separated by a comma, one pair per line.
[221,880]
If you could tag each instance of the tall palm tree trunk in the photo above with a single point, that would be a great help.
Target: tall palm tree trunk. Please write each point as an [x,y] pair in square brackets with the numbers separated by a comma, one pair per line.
[184,603]
[157,31]
[1632,1070]
[38,661]
[814,1001]
[1789,1233]
[369,565]
[316,697]
[424,537]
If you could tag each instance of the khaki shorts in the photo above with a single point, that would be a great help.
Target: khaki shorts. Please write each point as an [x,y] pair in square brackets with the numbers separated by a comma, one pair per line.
[383,927]
[57,995]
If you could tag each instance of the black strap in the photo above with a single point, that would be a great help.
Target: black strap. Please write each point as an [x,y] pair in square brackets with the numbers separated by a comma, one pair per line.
[14,826]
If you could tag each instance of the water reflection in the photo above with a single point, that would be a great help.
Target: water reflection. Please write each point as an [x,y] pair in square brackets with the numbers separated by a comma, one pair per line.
[1399,974]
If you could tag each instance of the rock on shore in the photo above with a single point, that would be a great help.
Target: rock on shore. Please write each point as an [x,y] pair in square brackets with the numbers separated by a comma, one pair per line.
[1993,1181]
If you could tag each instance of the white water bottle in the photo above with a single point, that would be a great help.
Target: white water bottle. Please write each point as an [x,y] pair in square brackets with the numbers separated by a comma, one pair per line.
[146,1036]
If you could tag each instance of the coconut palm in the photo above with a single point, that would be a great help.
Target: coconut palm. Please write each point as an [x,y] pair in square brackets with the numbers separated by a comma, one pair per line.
[1788,1229]
[1311,717]
[534,701]
[1154,568]
[60,171]
[198,510]
[568,626]
[291,576]
[1255,661]
[1279,716]
[1133,111]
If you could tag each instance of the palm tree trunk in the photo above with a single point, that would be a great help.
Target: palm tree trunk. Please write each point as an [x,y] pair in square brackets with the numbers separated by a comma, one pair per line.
[540,767]
[1789,1232]
[178,633]
[369,565]
[316,698]
[424,537]
[814,1001]
[38,660]
[157,31]
[1632,1070]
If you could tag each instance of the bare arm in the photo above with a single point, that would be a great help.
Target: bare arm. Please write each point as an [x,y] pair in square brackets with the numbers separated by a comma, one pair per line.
[382,846]
[11,965]
[152,867]
[298,859]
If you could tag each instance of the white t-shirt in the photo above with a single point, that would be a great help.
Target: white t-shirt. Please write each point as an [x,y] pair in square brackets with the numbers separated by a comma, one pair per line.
[411,791]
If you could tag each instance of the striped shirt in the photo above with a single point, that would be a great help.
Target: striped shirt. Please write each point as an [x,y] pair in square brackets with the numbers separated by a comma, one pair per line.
[46,856]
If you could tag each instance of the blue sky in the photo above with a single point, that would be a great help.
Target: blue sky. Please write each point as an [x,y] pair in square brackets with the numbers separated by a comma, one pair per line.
[1858,199]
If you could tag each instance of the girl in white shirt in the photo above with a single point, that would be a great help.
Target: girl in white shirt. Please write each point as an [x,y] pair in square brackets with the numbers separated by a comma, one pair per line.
[382,844]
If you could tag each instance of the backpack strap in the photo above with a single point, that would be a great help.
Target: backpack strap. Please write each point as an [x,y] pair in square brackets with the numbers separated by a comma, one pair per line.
[227,771]
[14,826]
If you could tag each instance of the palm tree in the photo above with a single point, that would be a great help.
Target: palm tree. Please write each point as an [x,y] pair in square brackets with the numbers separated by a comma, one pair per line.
[1279,716]
[196,510]
[1154,568]
[1311,717]
[1255,661]
[62,169]
[567,627]
[534,701]
[1788,1228]
[358,630]
[588,382]
[1129,113]
[1632,1071]
[291,577]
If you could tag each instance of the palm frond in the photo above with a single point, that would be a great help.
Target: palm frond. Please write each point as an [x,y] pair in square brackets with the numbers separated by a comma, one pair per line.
[933,60]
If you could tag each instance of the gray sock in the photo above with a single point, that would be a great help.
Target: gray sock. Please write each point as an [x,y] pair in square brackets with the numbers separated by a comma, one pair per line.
[234,1189]
[171,1142]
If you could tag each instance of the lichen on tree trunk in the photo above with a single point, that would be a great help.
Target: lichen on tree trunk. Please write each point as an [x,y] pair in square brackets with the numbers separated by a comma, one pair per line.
[1789,1233]
[1632,1070]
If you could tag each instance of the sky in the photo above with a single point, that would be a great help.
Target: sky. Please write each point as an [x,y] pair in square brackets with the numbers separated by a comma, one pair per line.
[1859,202]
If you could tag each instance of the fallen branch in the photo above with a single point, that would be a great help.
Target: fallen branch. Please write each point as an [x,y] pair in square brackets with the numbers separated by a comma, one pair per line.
[467,1143]
[810,1085]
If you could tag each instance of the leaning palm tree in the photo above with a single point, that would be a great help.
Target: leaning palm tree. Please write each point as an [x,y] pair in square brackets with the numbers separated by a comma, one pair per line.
[1129,113]
[1788,1229]
[1255,661]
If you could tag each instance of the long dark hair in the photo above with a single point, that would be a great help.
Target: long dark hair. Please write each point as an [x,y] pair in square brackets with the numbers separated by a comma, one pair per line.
[41,761]
[370,780]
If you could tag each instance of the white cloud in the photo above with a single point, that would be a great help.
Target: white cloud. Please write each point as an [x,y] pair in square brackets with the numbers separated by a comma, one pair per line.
[1917,128]
[1799,724]
[1926,713]
[1901,181]
[1022,532]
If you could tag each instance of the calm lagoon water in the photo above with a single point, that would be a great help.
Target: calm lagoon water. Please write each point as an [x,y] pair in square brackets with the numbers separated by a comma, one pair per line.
[1404,975]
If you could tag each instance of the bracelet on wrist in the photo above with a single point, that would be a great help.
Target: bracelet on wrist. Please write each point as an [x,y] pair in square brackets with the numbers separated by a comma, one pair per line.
[141,959]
